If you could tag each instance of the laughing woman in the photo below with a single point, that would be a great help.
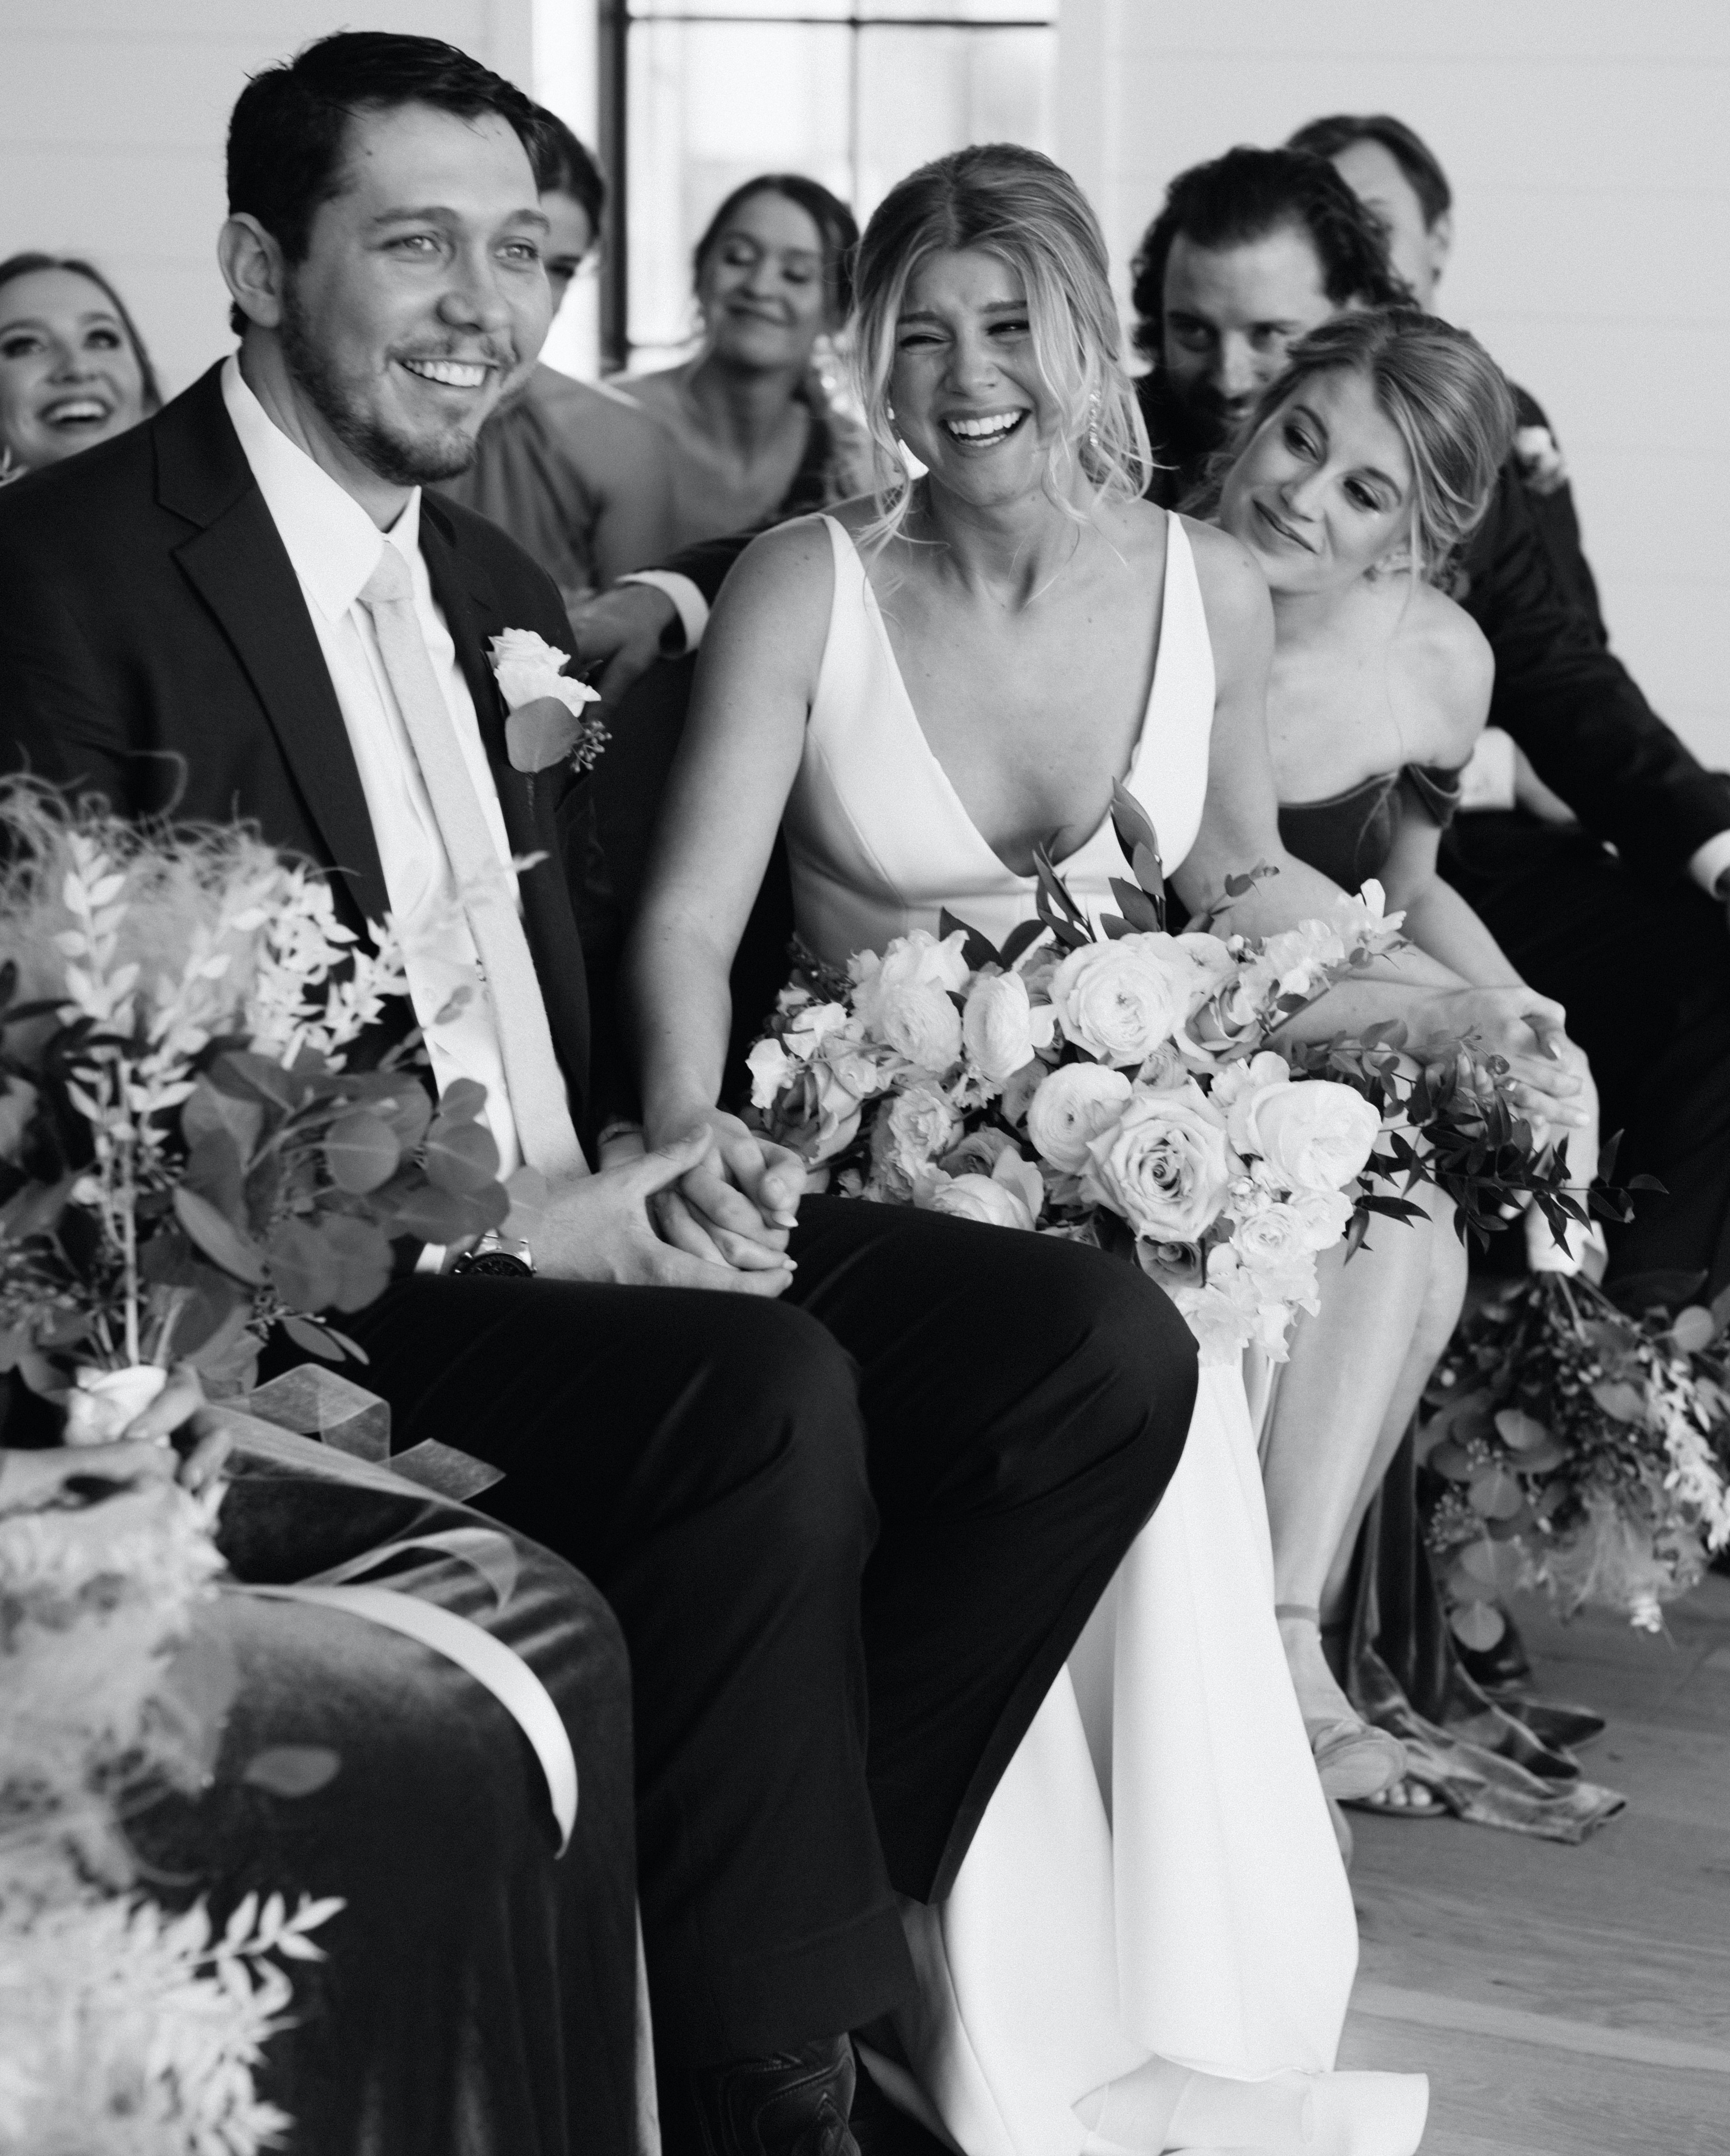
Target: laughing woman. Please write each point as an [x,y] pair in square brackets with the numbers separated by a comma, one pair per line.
[73,369]
[1149,1943]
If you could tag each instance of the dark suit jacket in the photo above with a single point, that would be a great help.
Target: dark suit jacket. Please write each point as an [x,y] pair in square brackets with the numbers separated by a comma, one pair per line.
[155,647]
[1560,691]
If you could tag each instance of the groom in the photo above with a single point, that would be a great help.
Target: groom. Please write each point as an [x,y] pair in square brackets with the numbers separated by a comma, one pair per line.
[851,1509]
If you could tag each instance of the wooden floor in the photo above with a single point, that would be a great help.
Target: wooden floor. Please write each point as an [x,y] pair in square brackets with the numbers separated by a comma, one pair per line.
[1571,2002]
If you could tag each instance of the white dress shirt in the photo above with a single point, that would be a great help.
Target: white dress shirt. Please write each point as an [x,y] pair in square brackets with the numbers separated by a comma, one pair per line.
[333,546]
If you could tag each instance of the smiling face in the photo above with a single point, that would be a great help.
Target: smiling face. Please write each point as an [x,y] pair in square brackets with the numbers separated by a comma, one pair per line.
[1231,314]
[761,287]
[421,291]
[1418,251]
[968,398]
[68,376]
[1323,492]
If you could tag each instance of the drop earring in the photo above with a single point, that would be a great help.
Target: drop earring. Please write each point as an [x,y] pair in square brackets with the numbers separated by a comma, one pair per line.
[1093,423]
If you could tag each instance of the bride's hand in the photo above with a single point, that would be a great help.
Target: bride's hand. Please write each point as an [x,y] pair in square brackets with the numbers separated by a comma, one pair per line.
[735,1207]
[1546,1069]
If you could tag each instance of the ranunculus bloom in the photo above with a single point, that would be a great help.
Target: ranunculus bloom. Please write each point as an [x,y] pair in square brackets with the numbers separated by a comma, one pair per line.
[1009,1197]
[911,1133]
[1000,1028]
[1074,1104]
[1118,1001]
[1165,1166]
[1315,1136]
[915,960]
[919,1020]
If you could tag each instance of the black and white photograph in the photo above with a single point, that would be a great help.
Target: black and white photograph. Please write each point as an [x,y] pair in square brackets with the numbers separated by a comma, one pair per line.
[864,1078]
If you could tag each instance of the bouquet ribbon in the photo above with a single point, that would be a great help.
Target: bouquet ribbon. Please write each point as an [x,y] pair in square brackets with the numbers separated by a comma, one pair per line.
[473,1648]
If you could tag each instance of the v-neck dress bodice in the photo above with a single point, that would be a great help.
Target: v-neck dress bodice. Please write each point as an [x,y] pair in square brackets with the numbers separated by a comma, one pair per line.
[877,838]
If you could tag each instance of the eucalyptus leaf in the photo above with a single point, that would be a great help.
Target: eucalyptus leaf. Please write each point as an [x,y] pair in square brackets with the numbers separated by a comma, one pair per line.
[227,1245]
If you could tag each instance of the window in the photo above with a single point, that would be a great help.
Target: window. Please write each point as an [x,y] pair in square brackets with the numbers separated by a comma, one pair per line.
[697,95]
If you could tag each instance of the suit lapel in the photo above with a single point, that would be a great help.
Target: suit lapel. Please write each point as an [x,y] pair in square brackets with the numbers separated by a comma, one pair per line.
[238,564]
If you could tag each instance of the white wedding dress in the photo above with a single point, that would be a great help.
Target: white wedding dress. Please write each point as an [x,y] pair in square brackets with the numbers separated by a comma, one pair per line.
[1156,1877]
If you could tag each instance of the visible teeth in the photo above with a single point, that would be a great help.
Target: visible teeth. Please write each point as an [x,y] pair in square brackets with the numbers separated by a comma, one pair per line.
[453,373]
[979,430]
[75,408]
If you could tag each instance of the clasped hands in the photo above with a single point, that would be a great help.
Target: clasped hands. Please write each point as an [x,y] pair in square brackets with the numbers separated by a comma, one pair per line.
[1548,1078]
[711,1208]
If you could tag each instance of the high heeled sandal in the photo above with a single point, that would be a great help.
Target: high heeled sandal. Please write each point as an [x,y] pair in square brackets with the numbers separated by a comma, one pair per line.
[1353,1758]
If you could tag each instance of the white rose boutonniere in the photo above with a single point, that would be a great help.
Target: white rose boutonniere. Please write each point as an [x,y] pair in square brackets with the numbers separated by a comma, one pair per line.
[547,723]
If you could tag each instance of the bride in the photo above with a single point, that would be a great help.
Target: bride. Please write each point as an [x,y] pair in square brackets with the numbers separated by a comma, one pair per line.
[1150,1943]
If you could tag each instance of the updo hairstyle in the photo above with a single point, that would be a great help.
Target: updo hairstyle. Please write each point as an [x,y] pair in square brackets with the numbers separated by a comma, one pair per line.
[1437,385]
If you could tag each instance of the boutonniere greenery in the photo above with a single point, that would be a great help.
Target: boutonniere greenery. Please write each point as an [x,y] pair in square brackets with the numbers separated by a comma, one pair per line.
[547,722]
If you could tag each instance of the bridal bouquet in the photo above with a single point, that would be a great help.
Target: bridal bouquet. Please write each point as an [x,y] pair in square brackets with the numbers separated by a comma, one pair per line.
[1120,1087]
[185,1158]
[1572,1446]
[131,2029]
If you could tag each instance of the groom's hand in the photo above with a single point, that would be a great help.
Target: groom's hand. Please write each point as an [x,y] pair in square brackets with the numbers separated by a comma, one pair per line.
[735,1207]
[600,1229]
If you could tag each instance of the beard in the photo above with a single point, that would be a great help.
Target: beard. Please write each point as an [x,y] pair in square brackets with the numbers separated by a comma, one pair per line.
[401,458]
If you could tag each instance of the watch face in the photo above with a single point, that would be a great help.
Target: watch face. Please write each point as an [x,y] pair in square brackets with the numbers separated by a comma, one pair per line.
[504,1263]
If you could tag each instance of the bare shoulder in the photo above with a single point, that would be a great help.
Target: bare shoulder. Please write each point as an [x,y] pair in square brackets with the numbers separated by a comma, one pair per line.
[1234,591]
[1445,671]
[785,576]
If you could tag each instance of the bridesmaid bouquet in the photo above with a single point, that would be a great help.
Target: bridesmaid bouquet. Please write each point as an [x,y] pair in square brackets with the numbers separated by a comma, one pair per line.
[185,1158]
[1572,1446]
[1121,1086]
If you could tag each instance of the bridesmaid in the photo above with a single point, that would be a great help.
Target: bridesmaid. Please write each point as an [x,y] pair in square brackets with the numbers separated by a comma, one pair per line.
[1364,466]
[754,434]
[73,370]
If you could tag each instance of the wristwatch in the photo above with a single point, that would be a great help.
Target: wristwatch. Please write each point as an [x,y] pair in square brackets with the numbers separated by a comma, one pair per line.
[496,1255]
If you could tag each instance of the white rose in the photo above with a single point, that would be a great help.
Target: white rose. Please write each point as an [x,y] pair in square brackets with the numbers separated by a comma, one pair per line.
[1000,1028]
[909,1133]
[918,959]
[528,668]
[1120,1000]
[770,1066]
[1273,1245]
[1165,1167]
[1009,1197]
[1326,1216]
[919,1020]
[1316,1136]
[1070,1109]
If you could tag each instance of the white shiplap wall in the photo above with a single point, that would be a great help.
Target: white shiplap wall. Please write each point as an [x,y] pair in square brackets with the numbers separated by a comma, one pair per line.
[112,119]
[1588,145]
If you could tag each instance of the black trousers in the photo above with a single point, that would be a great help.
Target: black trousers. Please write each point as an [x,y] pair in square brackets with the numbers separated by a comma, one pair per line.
[850,1537]
[1644,970]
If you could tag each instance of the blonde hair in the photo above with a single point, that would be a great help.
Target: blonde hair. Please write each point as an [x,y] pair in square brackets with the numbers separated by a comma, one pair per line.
[1442,393]
[1003,200]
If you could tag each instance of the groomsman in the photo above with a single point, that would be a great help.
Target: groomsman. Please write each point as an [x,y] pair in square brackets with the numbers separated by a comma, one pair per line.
[1249,252]
[851,1505]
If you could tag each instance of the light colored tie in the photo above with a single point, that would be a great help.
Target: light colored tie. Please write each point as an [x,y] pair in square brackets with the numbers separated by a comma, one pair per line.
[539,1100]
